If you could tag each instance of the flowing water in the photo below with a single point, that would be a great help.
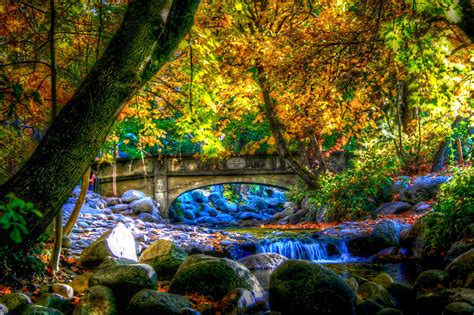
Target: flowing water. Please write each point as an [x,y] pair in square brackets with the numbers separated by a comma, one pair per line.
[318,250]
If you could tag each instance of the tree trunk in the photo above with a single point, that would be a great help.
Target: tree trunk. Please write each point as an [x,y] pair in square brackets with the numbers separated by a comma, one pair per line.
[151,30]
[80,201]
[269,109]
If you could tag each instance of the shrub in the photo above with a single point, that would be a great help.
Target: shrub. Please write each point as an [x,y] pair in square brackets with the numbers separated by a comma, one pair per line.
[355,192]
[452,217]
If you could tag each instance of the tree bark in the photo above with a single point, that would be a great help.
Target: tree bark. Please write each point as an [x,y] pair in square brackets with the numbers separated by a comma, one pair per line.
[269,109]
[150,31]
[80,201]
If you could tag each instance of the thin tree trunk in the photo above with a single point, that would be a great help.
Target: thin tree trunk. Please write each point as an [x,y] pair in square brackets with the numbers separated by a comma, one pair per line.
[54,262]
[151,30]
[80,201]
[269,109]
[323,168]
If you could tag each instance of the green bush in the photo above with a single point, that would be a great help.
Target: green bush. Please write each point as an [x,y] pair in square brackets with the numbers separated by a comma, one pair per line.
[355,192]
[452,217]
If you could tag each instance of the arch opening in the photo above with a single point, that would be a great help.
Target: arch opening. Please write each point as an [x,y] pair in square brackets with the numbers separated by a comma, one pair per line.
[228,204]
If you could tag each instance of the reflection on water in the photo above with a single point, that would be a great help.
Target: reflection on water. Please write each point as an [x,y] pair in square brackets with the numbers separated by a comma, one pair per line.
[405,272]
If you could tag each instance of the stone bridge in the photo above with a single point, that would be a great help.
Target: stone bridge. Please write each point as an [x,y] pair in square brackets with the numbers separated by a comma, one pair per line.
[167,177]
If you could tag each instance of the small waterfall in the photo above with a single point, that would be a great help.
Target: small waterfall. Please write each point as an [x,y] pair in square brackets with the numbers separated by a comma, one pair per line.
[320,250]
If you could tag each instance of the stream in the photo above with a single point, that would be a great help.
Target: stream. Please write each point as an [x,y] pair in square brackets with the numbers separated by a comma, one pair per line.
[332,252]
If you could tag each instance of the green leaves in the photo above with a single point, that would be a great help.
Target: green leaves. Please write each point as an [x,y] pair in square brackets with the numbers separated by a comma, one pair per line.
[13,214]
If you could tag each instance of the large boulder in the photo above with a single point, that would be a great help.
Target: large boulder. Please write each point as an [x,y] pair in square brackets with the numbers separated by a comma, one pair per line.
[262,261]
[165,257]
[385,234]
[302,287]
[238,301]
[375,292]
[15,302]
[117,242]
[126,280]
[100,300]
[132,195]
[462,269]
[395,207]
[55,301]
[213,277]
[431,279]
[423,188]
[144,205]
[40,310]
[80,284]
[151,302]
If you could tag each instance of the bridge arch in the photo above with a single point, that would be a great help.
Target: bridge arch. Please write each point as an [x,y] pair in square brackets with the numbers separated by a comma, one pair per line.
[277,181]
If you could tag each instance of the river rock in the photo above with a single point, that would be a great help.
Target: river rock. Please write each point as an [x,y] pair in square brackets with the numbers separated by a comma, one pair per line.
[404,295]
[310,289]
[423,188]
[456,249]
[431,279]
[112,201]
[458,308]
[55,301]
[420,207]
[250,216]
[462,269]
[3,309]
[236,302]
[126,280]
[414,239]
[143,205]
[432,303]
[110,261]
[213,277]
[80,284]
[15,302]
[385,234]
[198,195]
[62,289]
[395,207]
[151,302]
[117,242]
[120,208]
[165,257]
[368,307]
[150,217]
[383,279]
[100,300]
[132,195]
[377,293]
[40,310]
[262,261]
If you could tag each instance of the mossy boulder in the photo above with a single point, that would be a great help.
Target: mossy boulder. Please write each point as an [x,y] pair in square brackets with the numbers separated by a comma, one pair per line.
[40,310]
[126,280]
[213,277]
[165,257]
[430,280]
[377,293]
[302,287]
[458,308]
[100,300]
[385,234]
[462,269]
[15,302]
[262,261]
[150,302]
[55,301]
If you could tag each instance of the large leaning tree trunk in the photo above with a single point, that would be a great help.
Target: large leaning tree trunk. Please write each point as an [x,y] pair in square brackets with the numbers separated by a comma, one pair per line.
[268,107]
[150,31]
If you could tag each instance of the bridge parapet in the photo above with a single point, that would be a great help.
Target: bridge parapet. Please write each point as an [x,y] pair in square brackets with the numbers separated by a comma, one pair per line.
[167,177]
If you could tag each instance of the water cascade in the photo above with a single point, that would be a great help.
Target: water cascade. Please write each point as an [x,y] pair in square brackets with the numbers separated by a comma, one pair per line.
[320,250]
